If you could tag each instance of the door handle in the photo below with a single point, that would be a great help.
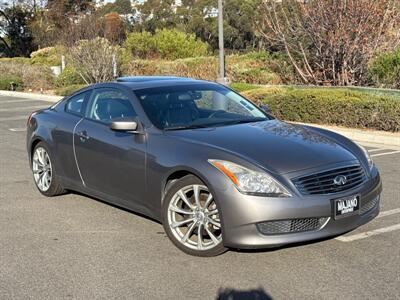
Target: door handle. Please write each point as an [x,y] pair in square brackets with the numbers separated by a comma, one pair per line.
[83,136]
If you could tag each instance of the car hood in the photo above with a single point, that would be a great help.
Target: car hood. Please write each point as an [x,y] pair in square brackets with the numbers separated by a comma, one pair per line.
[277,146]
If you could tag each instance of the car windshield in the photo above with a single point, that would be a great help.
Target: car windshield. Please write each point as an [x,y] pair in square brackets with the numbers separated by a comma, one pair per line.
[197,106]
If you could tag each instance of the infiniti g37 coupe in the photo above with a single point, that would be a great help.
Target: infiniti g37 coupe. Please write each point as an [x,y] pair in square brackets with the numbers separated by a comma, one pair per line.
[214,168]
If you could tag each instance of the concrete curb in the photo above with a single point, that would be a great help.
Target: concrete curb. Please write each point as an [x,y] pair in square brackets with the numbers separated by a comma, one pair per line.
[33,96]
[382,138]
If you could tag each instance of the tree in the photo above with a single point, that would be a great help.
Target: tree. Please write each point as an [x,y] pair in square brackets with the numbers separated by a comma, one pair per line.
[200,17]
[88,27]
[331,42]
[61,13]
[57,19]
[114,28]
[156,14]
[15,35]
[122,7]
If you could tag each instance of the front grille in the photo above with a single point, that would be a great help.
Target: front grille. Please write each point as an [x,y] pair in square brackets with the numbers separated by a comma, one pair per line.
[291,226]
[323,183]
[367,206]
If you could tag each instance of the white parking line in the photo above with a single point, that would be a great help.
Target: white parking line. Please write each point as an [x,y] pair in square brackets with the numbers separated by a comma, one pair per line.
[388,212]
[17,129]
[16,118]
[366,234]
[22,108]
[386,153]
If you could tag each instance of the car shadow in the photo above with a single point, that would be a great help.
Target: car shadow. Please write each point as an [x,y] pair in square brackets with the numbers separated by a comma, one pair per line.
[232,294]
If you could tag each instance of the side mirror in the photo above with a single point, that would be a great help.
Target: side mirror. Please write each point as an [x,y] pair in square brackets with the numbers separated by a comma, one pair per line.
[264,108]
[124,125]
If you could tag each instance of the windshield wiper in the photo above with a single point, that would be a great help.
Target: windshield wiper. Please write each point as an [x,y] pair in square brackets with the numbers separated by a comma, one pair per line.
[241,121]
[186,127]
[208,125]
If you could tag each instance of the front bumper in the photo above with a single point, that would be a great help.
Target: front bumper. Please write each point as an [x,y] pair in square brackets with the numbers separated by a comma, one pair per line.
[241,213]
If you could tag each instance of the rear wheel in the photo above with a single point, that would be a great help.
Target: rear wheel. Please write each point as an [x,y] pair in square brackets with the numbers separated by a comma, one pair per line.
[191,218]
[43,172]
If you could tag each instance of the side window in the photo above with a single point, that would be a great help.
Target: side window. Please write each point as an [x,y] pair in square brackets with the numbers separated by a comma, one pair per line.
[76,104]
[110,104]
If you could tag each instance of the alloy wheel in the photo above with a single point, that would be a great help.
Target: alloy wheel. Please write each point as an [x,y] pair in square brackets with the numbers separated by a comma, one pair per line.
[41,167]
[194,219]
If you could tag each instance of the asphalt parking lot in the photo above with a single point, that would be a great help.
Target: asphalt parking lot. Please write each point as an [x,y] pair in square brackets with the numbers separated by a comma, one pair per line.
[75,247]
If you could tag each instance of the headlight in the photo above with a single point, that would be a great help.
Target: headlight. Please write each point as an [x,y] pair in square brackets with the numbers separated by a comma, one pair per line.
[249,181]
[367,156]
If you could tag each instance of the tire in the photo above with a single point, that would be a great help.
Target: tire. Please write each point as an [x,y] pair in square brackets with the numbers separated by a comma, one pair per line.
[192,223]
[44,175]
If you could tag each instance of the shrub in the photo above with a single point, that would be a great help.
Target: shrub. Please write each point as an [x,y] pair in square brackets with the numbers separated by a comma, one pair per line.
[68,90]
[140,44]
[68,77]
[46,57]
[384,70]
[10,83]
[165,44]
[341,107]
[34,77]
[93,59]
[174,44]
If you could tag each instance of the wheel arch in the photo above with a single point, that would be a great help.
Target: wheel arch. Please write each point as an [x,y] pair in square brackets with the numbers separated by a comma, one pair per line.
[177,174]
[32,146]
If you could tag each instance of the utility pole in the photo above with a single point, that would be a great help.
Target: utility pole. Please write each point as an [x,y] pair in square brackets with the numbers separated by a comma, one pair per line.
[221,75]
[114,66]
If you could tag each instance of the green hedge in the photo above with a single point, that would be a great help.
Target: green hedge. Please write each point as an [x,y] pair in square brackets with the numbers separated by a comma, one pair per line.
[342,107]
[11,83]
[242,87]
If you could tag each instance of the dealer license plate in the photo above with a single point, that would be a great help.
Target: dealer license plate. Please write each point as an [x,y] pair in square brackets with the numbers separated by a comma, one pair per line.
[347,206]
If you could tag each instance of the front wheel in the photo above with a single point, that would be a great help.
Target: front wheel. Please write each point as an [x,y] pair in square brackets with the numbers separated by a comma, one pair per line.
[191,218]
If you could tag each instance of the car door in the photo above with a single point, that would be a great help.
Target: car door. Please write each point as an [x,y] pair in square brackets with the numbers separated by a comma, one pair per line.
[69,114]
[111,162]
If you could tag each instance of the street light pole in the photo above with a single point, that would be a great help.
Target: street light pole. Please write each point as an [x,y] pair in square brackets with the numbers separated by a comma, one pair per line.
[221,76]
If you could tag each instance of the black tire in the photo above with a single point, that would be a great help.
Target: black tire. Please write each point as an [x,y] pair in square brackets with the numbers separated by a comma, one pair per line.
[55,187]
[172,189]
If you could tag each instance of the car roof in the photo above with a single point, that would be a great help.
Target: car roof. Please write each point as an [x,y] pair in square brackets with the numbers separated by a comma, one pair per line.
[143,82]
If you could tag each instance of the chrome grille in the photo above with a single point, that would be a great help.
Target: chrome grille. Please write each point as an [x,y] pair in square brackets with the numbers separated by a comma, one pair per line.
[291,226]
[323,183]
[367,206]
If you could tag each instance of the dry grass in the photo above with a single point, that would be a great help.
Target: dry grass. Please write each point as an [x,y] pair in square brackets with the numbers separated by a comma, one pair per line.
[34,77]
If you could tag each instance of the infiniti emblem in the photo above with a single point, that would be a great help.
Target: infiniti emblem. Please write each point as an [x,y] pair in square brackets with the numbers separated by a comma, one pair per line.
[340,180]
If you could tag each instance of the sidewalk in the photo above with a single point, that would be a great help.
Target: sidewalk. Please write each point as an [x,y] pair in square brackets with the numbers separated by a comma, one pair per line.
[33,96]
[382,138]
